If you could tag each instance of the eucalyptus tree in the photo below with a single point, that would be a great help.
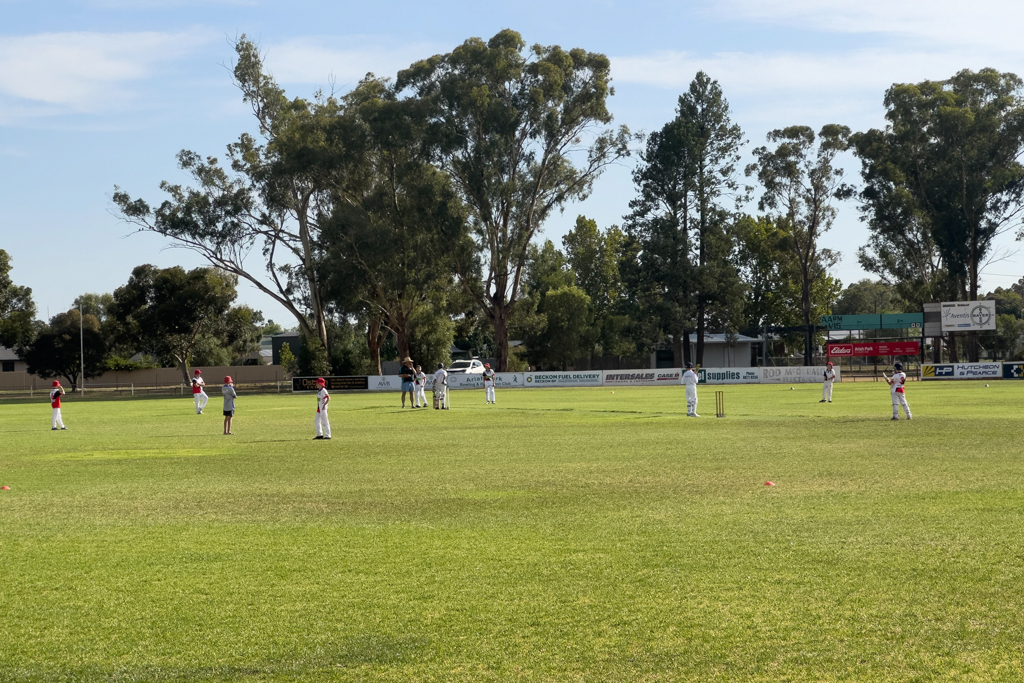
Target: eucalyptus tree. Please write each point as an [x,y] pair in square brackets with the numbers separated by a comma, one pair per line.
[509,125]
[273,200]
[17,310]
[800,181]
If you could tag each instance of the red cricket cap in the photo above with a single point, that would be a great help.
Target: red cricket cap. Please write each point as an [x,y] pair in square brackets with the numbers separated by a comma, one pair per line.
[198,371]
[56,383]
[487,365]
[227,380]
[830,362]
[321,380]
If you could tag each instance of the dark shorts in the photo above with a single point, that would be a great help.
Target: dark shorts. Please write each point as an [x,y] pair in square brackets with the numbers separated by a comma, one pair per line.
[406,386]
[229,413]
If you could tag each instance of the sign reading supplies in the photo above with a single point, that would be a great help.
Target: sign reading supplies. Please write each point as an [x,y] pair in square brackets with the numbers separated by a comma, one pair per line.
[647,378]
[967,316]
[729,376]
[592,378]
[333,383]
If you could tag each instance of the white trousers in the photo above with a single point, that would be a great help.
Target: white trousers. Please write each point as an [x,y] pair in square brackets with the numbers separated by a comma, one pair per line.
[826,391]
[691,399]
[900,399]
[201,399]
[441,397]
[323,425]
[419,395]
[57,422]
[489,390]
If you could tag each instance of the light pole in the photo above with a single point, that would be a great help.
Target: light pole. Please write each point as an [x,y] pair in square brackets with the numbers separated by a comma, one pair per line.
[81,346]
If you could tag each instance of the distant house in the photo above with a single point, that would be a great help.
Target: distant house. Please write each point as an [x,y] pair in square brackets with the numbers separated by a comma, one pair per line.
[10,362]
[294,341]
[720,351]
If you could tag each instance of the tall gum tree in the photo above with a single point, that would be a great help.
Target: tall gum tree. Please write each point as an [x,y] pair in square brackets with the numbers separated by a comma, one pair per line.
[800,181]
[509,126]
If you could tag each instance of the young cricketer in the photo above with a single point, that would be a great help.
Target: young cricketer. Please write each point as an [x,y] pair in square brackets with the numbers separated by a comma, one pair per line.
[896,388]
[229,404]
[690,380]
[419,383]
[489,383]
[323,425]
[826,385]
[441,387]
[198,393]
[55,393]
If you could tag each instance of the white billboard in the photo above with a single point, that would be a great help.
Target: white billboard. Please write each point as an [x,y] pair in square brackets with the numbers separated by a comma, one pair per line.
[968,316]
[649,378]
[591,378]
[795,375]
[502,380]
[729,376]
[384,383]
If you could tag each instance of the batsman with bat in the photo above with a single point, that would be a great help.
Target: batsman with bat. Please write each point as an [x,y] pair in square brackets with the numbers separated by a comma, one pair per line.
[896,388]
[690,382]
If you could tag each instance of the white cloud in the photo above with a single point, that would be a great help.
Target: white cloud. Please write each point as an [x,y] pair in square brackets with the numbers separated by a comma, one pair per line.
[86,72]
[345,59]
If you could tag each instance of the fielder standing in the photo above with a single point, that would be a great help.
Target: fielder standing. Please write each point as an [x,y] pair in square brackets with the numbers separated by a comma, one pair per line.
[826,385]
[419,385]
[198,393]
[323,425]
[896,386]
[55,393]
[690,380]
[229,404]
[441,388]
[489,383]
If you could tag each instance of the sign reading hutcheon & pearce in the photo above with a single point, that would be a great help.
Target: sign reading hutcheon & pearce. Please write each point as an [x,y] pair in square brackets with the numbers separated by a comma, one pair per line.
[592,378]
[967,316]
[962,371]
[665,376]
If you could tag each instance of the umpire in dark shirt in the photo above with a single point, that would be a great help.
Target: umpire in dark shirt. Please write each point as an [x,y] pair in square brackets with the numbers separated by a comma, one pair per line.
[407,374]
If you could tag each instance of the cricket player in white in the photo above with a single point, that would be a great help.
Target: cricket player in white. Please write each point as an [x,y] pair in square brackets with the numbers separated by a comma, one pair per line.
[441,388]
[198,393]
[55,395]
[419,387]
[323,425]
[896,388]
[826,385]
[690,381]
[489,383]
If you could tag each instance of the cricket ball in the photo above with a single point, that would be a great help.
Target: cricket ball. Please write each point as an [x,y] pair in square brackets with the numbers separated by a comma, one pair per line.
[986,385]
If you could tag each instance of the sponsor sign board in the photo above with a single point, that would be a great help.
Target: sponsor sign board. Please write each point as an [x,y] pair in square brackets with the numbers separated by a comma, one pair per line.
[902,321]
[729,376]
[384,383]
[967,316]
[795,375]
[875,349]
[333,383]
[962,371]
[664,376]
[502,380]
[588,378]
[851,322]
[1013,370]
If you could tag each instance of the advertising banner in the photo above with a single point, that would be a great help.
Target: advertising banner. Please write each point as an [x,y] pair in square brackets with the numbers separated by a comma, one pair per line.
[300,384]
[1013,370]
[795,375]
[384,383]
[875,349]
[967,316]
[589,378]
[851,322]
[663,377]
[962,371]
[502,380]
[902,321]
[729,376]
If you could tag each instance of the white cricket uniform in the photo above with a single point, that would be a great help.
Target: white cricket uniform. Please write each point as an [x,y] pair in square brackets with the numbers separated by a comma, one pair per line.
[826,385]
[56,422]
[441,389]
[323,425]
[899,397]
[690,381]
[489,385]
[199,394]
[419,386]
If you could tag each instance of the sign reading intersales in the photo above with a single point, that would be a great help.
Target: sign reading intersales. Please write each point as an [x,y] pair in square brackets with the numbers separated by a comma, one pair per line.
[875,349]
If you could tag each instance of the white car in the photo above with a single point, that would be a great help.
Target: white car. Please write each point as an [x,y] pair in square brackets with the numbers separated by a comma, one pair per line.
[467,367]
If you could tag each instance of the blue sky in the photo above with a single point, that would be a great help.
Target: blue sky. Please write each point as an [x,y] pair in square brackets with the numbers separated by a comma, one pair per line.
[95,93]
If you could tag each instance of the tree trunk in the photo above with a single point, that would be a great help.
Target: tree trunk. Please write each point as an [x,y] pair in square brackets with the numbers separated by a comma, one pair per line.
[374,341]
[183,366]
[954,355]
[700,335]
[499,321]
[400,328]
[686,348]
[936,349]
[677,351]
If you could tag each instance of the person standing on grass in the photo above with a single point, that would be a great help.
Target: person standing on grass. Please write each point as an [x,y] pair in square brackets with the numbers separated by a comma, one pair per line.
[419,382]
[407,374]
[489,383]
[55,393]
[690,381]
[229,404]
[198,393]
[899,397]
[826,385]
[323,425]
[441,388]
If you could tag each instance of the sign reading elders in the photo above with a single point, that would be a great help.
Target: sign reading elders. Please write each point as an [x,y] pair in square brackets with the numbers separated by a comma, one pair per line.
[968,316]
[333,383]
[911,348]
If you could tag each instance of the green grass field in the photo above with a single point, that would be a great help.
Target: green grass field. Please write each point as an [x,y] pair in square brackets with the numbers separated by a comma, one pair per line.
[563,535]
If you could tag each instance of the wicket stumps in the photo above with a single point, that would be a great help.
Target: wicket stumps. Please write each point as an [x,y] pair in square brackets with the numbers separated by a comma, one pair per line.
[719,404]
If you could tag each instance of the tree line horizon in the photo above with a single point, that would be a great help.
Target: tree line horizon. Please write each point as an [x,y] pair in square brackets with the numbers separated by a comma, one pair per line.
[402,215]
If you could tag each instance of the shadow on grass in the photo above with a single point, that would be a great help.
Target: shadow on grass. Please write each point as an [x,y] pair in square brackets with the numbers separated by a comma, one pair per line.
[347,653]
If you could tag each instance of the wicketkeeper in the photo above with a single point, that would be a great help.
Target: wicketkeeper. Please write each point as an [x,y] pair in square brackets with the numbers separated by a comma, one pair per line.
[826,385]
[690,380]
